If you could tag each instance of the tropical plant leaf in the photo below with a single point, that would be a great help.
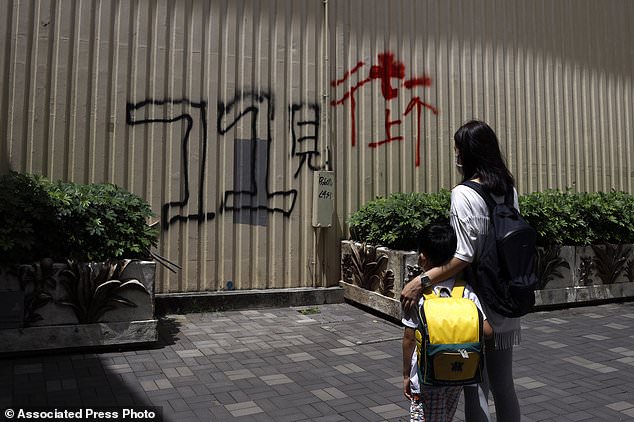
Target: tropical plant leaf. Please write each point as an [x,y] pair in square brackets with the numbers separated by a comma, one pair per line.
[610,261]
[387,284]
[107,285]
[373,283]
[549,264]
[134,284]
[367,266]
[91,290]
[71,304]
[629,271]
[124,301]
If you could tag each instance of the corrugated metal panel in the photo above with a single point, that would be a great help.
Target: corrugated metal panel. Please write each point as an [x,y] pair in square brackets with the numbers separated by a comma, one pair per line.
[554,79]
[219,112]
[210,110]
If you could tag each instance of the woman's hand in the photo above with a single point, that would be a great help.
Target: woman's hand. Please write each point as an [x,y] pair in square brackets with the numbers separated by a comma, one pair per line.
[410,294]
[407,389]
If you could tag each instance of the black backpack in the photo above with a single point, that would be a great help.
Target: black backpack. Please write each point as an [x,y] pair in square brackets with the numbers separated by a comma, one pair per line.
[504,276]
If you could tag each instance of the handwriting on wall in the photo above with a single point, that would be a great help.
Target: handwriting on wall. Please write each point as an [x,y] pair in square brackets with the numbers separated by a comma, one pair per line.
[251,198]
[251,192]
[174,111]
[385,71]
[245,122]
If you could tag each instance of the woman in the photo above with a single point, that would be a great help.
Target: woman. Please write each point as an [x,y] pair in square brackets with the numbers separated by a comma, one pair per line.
[479,159]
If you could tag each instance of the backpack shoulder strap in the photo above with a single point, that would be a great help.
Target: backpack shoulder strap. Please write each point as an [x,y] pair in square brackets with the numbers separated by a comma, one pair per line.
[458,289]
[488,199]
[480,190]
[509,199]
[429,293]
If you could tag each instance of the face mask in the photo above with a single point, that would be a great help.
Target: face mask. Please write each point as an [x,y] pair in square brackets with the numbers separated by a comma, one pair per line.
[457,160]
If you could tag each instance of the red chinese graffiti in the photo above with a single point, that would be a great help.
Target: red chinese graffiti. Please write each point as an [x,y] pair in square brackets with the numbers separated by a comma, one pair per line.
[386,71]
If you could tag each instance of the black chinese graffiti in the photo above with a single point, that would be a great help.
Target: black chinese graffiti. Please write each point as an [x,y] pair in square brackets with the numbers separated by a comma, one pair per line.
[244,122]
[172,111]
[251,191]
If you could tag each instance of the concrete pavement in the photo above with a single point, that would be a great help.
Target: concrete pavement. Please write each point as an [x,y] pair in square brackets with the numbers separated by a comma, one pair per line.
[325,363]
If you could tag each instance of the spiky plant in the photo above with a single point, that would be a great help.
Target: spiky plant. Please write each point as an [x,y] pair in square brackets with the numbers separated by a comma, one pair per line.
[629,270]
[95,288]
[549,264]
[386,287]
[610,261]
[368,266]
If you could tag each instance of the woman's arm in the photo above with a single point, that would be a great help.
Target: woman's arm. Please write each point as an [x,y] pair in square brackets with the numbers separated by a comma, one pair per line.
[412,291]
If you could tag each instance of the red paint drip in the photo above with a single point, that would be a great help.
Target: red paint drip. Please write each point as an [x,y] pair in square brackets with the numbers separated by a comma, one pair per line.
[420,81]
[346,75]
[419,104]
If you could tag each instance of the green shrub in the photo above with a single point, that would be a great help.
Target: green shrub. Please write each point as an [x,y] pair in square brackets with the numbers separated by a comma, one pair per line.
[567,218]
[560,217]
[103,221]
[94,222]
[397,221]
[28,217]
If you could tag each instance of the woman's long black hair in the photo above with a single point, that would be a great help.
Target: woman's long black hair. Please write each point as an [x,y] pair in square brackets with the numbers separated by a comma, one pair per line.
[480,156]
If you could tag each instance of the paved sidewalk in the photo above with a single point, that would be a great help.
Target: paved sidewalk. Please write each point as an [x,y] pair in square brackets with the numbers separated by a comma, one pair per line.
[339,364]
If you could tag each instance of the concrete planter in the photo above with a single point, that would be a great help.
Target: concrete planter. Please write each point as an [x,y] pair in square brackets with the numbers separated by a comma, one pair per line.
[397,262]
[569,275]
[579,274]
[376,301]
[47,323]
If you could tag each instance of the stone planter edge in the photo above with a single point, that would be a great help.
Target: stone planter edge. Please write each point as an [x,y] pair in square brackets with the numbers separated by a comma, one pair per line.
[382,304]
[562,293]
[118,327]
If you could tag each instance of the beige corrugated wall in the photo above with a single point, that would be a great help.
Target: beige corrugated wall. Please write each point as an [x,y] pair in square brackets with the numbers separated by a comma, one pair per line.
[219,112]
[553,78]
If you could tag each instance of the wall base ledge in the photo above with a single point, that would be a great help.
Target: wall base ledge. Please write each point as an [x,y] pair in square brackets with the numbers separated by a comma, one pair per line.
[73,336]
[180,303]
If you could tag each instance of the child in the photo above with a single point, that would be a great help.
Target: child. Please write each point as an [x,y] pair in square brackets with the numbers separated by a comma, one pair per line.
[432,404]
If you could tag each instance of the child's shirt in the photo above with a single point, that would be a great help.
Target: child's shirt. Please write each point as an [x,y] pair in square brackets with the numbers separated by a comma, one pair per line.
[442,289]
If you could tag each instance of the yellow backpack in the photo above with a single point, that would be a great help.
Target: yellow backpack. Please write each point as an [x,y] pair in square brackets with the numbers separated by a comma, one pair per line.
[449,339]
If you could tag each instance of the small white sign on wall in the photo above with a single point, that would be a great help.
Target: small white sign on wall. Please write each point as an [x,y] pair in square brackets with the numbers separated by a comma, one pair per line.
[323,198]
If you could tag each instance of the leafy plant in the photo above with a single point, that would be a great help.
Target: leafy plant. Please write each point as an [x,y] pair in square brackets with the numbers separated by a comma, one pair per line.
[95,288]
[28,219]
[549,264]
[103,221]
[398,220]
[557,216]
[95,222]
[567,218]
[560,217]
[610,261]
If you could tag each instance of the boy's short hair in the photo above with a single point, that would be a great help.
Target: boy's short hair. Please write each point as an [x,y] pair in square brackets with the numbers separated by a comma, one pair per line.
[438,243]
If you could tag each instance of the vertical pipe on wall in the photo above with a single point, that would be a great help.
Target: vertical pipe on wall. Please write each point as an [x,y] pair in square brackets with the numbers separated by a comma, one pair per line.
[31,104]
